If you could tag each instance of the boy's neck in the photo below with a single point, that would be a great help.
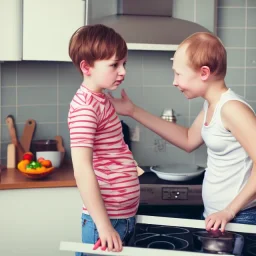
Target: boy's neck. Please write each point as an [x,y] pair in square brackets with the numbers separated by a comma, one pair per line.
[215,90]
[87,82]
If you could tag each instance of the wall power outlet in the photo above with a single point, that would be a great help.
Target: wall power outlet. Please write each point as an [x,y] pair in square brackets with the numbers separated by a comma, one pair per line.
[135,133]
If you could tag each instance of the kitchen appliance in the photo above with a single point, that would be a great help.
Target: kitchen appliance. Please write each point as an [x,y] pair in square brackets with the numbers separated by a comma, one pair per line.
[138,22]
[169,115]
[177,172]
[127,134]
[43,145]
[217,242]
[173,237]
[156,191]
[168,222]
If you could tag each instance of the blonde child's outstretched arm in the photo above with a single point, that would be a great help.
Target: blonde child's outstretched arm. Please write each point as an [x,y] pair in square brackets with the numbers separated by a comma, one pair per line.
[185,138]
[90,192]
[240,120]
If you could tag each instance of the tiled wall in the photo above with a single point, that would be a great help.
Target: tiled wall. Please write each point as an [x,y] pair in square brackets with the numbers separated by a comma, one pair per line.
[43,90]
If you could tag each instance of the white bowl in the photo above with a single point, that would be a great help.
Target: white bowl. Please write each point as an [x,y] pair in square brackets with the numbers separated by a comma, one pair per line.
[54,156]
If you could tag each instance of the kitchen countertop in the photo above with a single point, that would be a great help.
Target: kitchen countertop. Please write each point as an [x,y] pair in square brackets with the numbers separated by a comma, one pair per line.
[60,177]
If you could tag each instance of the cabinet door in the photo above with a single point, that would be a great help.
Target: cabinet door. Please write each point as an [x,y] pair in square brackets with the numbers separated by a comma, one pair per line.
[48,26]
[11,30]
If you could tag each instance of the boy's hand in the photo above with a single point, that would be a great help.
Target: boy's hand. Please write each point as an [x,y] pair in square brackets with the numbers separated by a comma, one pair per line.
[110,239]
[218,220]
[123,106]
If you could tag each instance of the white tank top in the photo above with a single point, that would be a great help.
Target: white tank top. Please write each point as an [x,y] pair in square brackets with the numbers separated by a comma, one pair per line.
[228,164]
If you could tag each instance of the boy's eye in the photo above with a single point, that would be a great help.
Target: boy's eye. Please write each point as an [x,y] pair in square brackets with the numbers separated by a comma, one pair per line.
[124,64]
[114,65]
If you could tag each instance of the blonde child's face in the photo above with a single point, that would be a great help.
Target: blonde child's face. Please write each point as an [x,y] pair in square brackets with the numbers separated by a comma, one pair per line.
[186,79]
[108,74]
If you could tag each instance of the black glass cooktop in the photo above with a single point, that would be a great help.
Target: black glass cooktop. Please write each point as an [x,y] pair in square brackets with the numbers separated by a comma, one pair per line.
[179,238]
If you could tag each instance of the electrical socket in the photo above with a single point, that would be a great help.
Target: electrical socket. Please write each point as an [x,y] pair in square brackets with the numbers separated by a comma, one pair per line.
[135,133]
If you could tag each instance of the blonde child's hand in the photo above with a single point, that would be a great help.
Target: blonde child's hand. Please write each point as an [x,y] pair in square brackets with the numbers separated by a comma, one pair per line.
[123,106]
[110,239]
[218,220]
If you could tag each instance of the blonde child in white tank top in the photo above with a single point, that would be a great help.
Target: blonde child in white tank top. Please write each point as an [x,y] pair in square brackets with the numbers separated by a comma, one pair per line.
[226,124]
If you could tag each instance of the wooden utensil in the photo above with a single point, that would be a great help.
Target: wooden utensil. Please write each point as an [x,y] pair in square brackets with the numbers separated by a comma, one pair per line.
[11,156]
[60,147]
[12,130]
[28,133]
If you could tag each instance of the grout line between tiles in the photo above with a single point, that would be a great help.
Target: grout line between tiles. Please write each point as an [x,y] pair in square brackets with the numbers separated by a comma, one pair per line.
[58,87]
[16,80]
[245,53]
[240,48]
[0,110]
[237,27]
[35,105]
[189,103]
[195,11]
[236,7]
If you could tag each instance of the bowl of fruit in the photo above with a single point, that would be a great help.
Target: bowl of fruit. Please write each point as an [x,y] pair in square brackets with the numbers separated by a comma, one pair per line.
[35,169]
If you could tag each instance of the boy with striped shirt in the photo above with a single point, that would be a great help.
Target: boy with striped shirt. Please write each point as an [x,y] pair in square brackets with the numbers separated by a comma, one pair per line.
[104,168]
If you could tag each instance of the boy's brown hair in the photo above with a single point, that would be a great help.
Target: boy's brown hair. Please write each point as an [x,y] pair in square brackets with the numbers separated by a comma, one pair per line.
[96,42]
[206,49]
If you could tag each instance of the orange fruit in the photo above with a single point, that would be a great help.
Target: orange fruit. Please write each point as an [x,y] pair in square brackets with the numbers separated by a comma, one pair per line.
[46,163]
[40,159]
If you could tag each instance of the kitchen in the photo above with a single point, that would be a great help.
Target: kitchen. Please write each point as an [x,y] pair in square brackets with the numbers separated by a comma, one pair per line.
[56,82]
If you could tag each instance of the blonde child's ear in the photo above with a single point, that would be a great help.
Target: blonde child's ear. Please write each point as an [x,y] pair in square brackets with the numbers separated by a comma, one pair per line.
[85,68]
[205,72]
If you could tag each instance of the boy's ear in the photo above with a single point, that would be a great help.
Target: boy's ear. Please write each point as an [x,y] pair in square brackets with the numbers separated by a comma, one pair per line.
[85,68]
[205,72]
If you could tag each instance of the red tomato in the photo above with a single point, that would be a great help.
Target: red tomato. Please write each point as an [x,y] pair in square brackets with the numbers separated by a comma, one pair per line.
[28,156]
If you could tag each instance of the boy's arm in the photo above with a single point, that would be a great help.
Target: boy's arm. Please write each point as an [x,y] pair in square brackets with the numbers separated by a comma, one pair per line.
[185,138]
[90,192]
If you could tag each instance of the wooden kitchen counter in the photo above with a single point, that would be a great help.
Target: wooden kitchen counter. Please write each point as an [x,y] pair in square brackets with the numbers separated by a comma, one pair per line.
[60,177]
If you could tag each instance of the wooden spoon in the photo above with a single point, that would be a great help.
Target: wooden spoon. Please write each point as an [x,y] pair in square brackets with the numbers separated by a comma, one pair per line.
[12,130]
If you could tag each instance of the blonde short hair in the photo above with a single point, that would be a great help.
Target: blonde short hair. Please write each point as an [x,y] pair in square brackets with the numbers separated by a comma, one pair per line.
[206,49]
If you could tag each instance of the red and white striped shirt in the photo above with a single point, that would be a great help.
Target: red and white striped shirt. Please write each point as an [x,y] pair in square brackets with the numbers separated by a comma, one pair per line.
[94,123]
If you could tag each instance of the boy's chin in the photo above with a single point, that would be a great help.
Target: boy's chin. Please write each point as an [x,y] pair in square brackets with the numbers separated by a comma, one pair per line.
[112,88]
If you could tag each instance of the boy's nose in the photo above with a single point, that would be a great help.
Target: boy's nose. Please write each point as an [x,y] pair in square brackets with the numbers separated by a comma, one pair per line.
[122,71]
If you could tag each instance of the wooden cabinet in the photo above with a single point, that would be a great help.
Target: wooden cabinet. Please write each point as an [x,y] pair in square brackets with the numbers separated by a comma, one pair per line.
[48,26]
[11,30]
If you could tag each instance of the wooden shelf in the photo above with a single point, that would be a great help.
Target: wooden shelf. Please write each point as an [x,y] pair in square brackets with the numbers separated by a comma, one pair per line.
[61,177]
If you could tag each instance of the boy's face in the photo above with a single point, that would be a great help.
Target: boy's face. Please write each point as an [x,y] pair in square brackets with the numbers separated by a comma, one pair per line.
[186,79]
[108,74]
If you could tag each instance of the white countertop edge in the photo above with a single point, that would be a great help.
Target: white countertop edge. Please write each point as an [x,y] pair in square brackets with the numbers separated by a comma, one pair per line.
[189,223]
[127,251]
[152,47]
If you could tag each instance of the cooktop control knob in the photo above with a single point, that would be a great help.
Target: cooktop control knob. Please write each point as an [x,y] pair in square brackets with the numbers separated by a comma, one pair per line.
[174,193]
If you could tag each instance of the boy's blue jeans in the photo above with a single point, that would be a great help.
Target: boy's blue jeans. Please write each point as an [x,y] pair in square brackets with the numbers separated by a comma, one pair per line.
[247,216]
[90,235]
